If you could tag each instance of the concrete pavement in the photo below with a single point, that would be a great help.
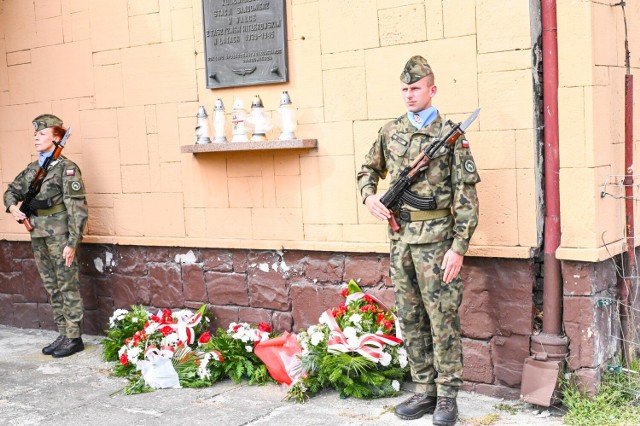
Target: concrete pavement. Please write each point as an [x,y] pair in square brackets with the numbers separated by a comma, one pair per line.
[36,389]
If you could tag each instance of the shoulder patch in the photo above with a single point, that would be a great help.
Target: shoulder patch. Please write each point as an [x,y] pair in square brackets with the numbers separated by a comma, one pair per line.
[75,188]
[70,172]
[469,166]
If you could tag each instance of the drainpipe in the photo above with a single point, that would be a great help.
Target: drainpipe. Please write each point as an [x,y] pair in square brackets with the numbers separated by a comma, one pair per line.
[550,341]
[631,270]
[549,348]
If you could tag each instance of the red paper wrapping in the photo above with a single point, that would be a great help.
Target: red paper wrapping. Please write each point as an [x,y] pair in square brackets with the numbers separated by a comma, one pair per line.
[280,357]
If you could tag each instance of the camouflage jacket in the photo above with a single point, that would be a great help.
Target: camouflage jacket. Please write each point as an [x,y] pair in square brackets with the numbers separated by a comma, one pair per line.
[450,178]
[62,184]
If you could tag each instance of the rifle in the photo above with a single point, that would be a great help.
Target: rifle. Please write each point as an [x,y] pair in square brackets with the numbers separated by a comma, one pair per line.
[392,198]
[26,206]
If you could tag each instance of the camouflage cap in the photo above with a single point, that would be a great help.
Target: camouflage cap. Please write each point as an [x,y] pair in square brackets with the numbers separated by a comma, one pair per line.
[46,120]
[416,68]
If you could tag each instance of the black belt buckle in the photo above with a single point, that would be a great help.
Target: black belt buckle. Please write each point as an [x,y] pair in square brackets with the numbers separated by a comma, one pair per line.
[405,215]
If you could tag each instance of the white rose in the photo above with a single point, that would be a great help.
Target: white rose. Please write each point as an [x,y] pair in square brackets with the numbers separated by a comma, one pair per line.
[355,318]
[350,333]
[396,385]
[402,357]
[249,348]
[134,355]
[316,338]
[385,359]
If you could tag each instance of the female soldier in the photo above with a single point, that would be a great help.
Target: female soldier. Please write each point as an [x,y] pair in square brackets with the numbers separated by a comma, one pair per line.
[59,219]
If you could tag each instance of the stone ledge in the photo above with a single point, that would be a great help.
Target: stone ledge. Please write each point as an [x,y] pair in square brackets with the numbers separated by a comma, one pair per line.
[250,146]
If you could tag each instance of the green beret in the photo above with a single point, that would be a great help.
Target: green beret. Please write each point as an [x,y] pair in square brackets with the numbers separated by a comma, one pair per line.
[416,68]
[46,120]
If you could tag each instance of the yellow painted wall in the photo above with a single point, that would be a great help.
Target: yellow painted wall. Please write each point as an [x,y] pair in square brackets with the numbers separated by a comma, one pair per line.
[128,77]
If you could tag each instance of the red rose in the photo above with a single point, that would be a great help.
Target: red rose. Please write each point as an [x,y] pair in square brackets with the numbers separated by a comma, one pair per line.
[380,318]
[263,326]
[388,324]
[368,298]
[237,327]
[166,330]
[344,292]
[206,336]
[124,359]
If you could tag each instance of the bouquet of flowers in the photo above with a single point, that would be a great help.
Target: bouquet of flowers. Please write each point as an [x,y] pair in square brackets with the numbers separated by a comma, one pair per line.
[237,345]
[355,349]
[168,349]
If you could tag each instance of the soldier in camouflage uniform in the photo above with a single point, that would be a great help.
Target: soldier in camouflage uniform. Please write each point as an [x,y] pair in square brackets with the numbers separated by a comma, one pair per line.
[57,230]
[427,251]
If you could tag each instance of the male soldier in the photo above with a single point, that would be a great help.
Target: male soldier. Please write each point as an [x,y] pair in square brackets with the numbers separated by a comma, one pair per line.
[427,252]
[58,222]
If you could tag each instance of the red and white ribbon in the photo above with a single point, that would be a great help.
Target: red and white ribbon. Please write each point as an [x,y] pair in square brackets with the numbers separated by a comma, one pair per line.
[153,352]
[368,345]
[184,328]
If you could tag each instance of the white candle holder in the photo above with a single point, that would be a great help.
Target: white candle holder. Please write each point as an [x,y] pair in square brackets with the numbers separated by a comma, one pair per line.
[258,120]
[238,118]
[202,129]
[219,122]
[288,121]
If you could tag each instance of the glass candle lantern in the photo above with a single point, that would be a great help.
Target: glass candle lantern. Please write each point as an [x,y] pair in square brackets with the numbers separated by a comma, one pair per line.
[219,122]
[288,122]
[238,118]
[202,129]
[258,120]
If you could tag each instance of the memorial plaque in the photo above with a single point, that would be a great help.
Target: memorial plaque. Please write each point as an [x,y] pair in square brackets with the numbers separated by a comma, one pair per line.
[245,42]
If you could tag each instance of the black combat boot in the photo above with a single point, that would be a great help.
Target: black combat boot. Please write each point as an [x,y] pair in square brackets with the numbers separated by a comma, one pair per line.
[69,347]
[416,406]
[446,412]
[51,347]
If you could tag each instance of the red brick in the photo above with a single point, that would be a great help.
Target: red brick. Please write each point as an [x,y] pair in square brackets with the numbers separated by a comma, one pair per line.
[227,288]
[217,260]
[282,321]
[193,283]
[240,262]
[223,316]
[6,309]
[508,355]
[477,361]
[586,278]
[366,270]
[165,286]
[254,316]
[498,391]
[268,289]
[325,268]
[309,301]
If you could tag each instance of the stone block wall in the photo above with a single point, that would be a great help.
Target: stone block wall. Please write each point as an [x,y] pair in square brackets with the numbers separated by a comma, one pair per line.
[591,320]
[287,289]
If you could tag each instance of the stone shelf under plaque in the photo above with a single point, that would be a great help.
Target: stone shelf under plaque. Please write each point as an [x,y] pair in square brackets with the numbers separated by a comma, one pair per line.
[250,146]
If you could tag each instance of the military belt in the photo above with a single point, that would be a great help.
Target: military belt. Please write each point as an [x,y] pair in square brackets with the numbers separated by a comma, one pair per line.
[51,210]
[415,216]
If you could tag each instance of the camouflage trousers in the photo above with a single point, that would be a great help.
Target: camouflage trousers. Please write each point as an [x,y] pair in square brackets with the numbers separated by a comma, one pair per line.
[61,282]
[428,313]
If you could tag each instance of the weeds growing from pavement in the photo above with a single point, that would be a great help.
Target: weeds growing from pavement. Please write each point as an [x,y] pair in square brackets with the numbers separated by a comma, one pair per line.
[616,403]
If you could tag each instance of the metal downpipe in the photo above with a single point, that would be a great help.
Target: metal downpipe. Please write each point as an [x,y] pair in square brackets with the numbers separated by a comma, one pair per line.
[549,348]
